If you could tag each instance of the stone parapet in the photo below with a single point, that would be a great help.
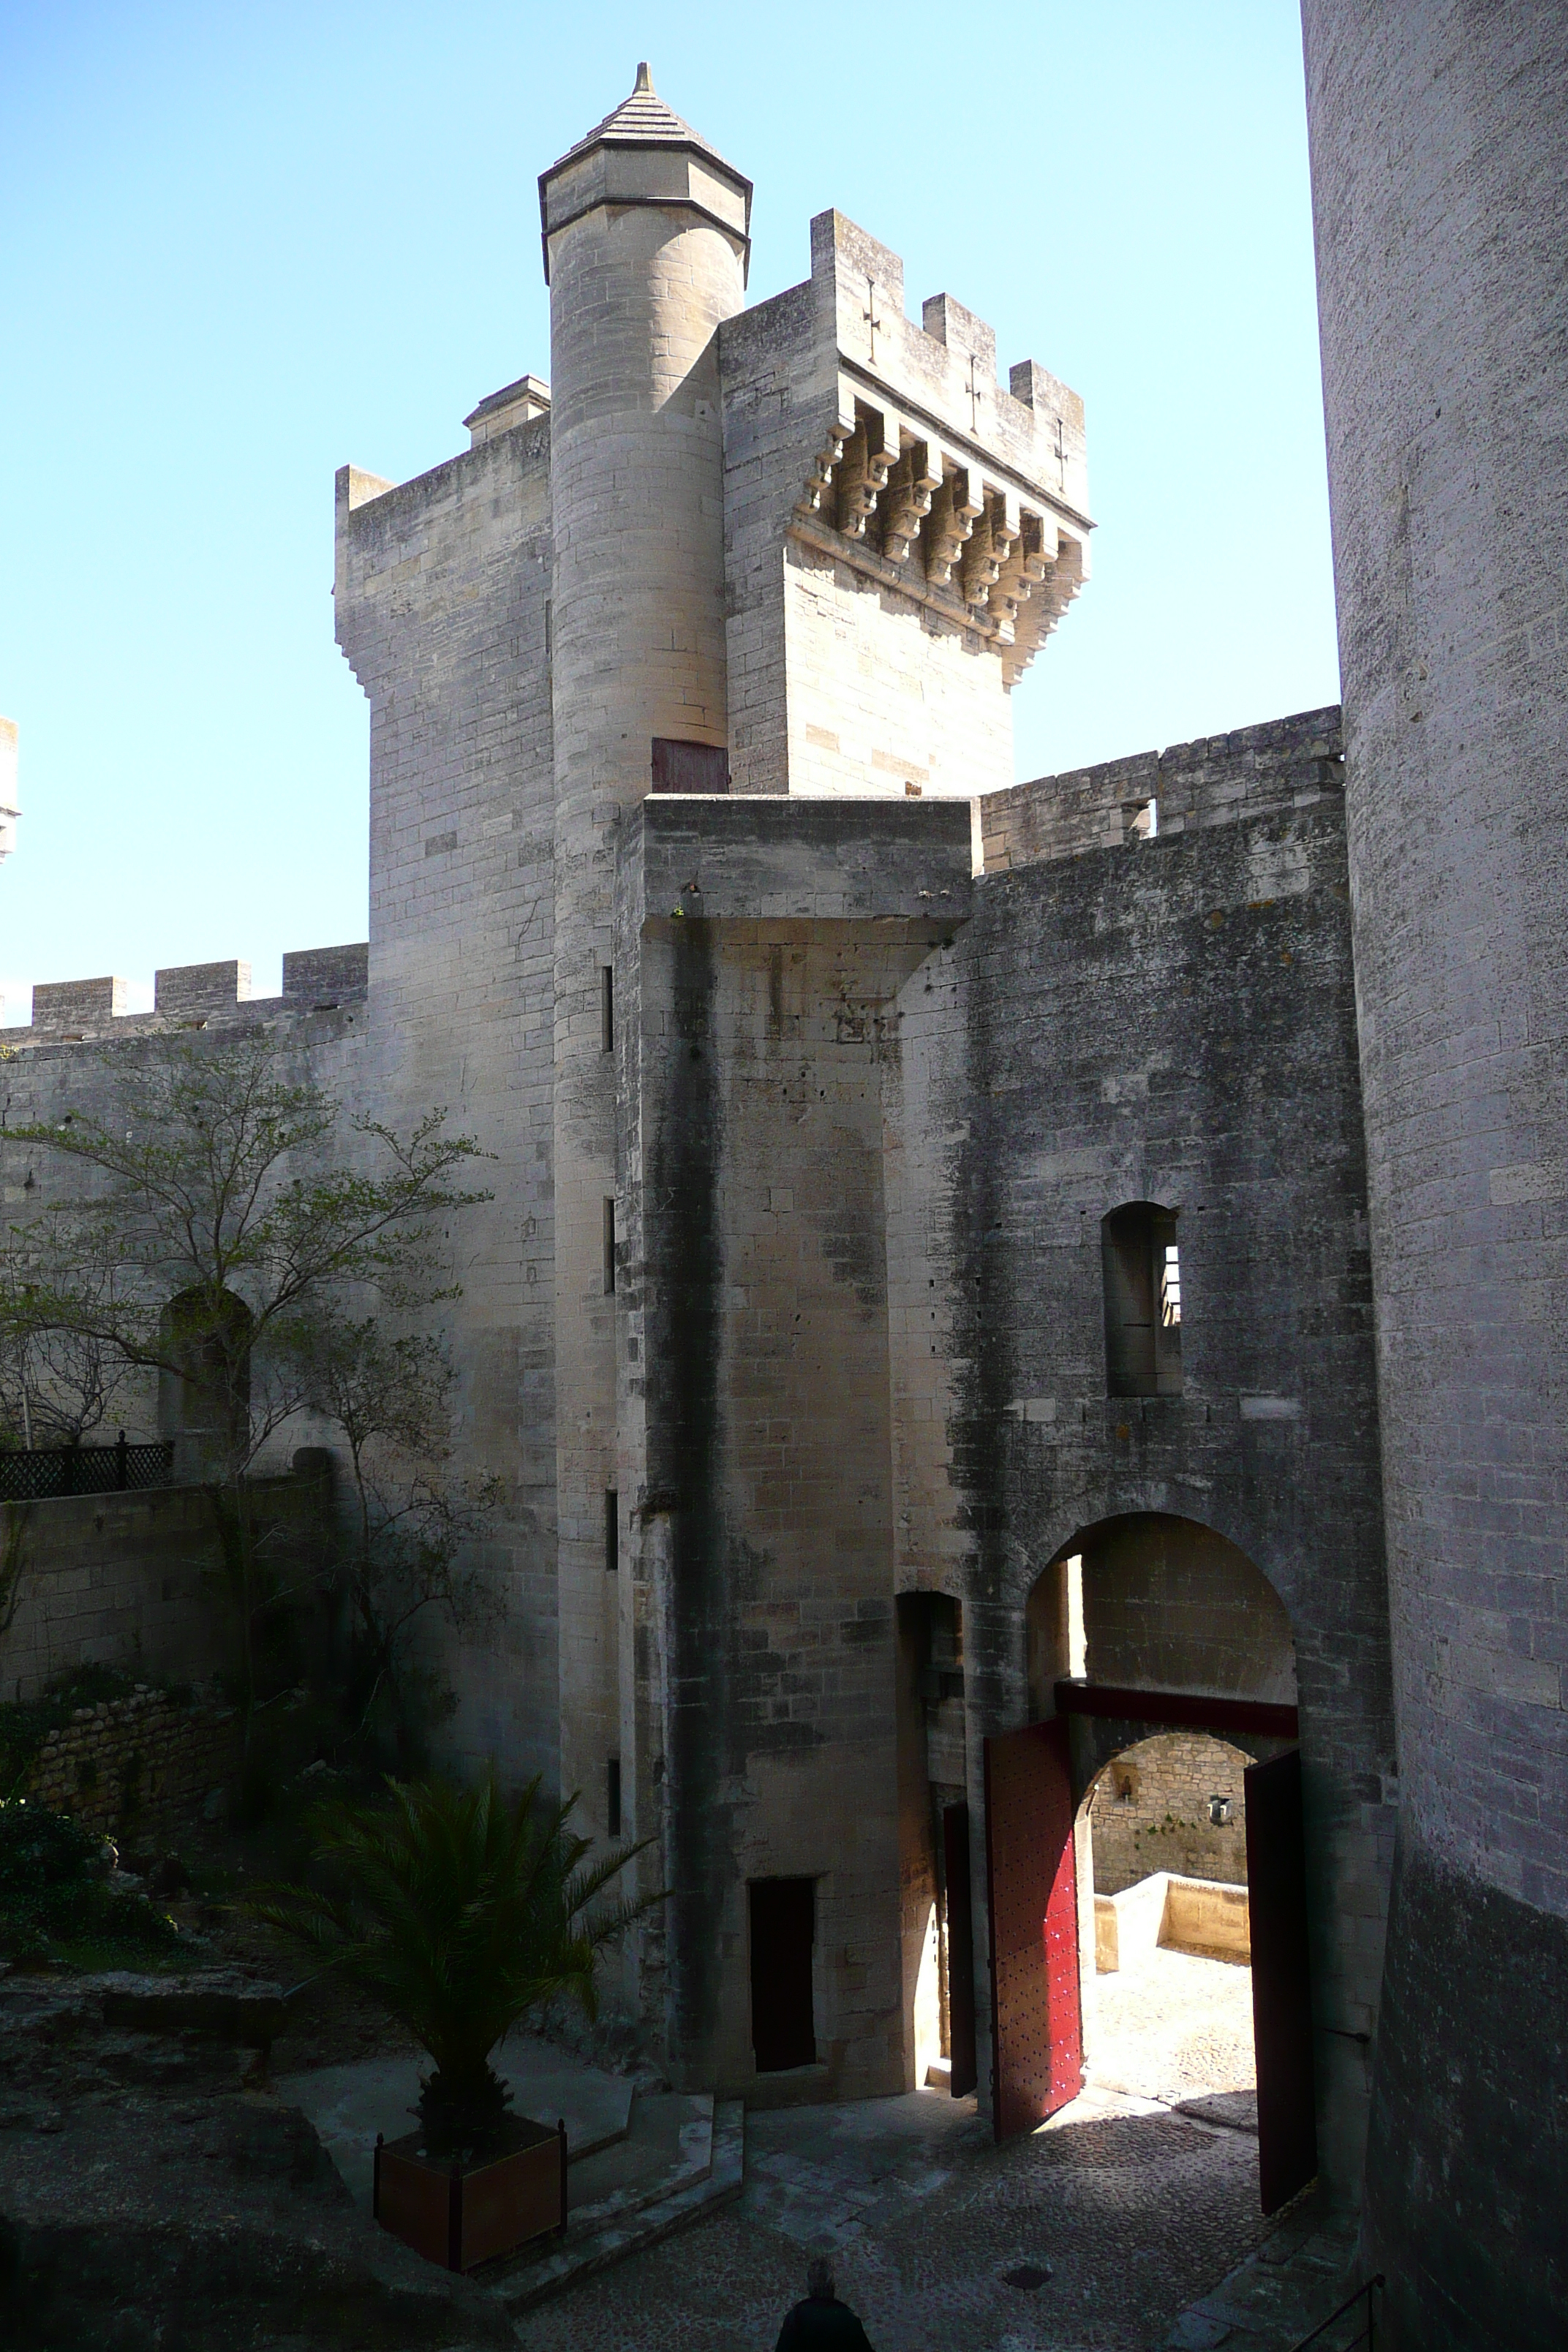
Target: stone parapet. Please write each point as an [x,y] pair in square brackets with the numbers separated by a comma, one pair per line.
[1284,765]
[194,996]
[131,1580]
[790,861]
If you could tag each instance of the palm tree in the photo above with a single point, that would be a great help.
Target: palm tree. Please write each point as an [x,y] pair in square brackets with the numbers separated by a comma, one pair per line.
[462,1911]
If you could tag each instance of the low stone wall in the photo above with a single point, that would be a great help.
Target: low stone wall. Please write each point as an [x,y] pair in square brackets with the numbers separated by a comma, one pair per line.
[1150,1812]
[1195,1915]
[137,1766]
[135,1580]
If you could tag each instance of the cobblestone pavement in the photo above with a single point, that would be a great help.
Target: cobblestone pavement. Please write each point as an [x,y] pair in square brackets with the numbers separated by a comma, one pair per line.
[1145,2220]
[1132,2211]
[1302,2270]
[1173,2028]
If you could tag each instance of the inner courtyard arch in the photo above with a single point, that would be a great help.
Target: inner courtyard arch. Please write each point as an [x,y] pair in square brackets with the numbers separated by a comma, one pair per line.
[1149,1636]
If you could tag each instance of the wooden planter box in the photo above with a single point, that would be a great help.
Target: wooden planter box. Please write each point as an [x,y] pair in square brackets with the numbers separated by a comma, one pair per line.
[460,2214]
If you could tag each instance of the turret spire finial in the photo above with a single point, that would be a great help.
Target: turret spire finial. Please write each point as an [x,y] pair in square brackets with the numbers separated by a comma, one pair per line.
[645,80]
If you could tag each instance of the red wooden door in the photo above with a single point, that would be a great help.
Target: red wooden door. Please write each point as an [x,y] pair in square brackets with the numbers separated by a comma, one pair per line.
[1036,2023]
[1281,1979]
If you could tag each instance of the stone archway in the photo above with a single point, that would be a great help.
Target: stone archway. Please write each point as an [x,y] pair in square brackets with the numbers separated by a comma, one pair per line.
[1141,1624]
[1164,1944]
[1151,1600]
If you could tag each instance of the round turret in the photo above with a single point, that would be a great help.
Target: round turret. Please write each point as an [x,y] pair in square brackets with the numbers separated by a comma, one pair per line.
[645,247]
[646,250]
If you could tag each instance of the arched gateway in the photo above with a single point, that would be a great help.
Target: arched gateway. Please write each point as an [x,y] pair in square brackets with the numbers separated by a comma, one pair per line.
[1146,1622]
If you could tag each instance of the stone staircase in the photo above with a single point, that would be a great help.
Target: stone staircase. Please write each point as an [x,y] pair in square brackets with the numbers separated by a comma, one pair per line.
[680,2158]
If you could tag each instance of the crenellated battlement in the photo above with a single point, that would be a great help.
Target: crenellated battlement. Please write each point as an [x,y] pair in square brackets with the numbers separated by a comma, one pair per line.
[194,996]
[928,474]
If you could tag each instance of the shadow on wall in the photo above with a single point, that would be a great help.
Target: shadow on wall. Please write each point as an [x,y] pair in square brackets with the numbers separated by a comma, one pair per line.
[1149,1600]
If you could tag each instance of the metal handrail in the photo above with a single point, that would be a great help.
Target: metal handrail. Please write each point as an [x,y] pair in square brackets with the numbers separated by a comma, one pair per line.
[1363,2292]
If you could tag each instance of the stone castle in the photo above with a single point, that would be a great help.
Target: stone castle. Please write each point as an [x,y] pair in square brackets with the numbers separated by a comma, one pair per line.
[924,1322]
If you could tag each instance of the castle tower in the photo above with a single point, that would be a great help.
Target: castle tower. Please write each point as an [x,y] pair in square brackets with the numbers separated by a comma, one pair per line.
[646,249]
[1439,145]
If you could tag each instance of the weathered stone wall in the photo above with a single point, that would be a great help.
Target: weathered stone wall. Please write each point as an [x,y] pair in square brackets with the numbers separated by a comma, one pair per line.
[1439,145]
[1171,1019]
[1285,764]
[54,1071]
[135,1581]
[1150,1812]
[140,1766]
[443,585]
[762,1045]
[638,289]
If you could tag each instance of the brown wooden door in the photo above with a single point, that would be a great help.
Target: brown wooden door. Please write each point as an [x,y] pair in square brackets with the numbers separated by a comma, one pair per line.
[1036,2022]
[1281,1979]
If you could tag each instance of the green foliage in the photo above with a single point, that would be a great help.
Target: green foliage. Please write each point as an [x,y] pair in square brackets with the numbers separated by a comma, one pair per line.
[217,1228]
[58,1895]
[462,1911]
[404,1551]
[206,1226]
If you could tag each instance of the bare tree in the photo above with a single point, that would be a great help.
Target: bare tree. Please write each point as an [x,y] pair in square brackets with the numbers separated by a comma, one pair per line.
[56,1385]
[227,1223]
[407,1555]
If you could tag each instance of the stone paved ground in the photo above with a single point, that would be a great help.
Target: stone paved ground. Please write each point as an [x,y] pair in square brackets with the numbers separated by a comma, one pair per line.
[1173,2027]
[1135,2211]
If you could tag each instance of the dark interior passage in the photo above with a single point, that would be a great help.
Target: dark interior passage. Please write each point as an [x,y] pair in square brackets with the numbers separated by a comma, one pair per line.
[784,1929]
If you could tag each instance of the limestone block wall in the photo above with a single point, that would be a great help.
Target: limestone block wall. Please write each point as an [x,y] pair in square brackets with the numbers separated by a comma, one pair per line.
[1287,763]
[638,287]
[1439,150]
[1169,1020]
[1197,1915]
[138,1766]
[762,1045]
[1150,1812]
[72,1061]
[443,589]
[134,1580]
[858,662]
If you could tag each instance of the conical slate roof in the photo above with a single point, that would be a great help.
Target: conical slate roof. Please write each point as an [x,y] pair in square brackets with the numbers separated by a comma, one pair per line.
[643,120]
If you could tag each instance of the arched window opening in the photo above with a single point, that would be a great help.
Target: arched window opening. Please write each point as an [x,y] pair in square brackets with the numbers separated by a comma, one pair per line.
[1142,1274]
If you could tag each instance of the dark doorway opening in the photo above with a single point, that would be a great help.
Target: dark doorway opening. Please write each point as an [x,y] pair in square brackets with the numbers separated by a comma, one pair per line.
[689,767]
[937,1912]
[783,1930]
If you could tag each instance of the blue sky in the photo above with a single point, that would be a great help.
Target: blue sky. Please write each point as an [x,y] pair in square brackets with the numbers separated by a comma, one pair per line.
[242,245]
